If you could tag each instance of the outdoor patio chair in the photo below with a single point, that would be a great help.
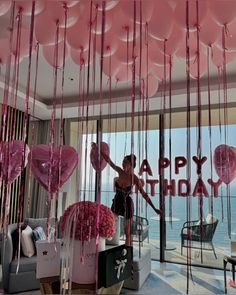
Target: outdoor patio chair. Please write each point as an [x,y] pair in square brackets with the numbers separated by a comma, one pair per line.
[199,236]
[140,228]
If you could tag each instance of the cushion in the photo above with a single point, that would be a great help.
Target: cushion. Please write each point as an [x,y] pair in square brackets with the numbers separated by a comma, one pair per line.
[35,222]
[39,234]
[185,231]
[15,241]
[27,242]
[210,219]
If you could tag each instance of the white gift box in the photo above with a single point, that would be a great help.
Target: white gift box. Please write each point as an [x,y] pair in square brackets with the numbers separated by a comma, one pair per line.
[85,272]
[48,259]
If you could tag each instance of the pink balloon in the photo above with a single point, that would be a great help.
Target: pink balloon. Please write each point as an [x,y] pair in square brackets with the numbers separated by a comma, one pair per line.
[56,13]
[181,51]
[202,66]
[230,37]
[97,161]
[224,160]
[109,4]
[124,28]
[110,43]
[149,86]
[172,3]
[124,73]
[24,42]
[124,52]
[155,54]
[181,10]
[45,30]
[40,165]
[209,31]
[12,155]
[97,24]
[69,3]
[81,57]
[159,71]
[26,6]
[110,66]
[4,51]
[49,52]
[4,7]
[78,35]
[161,22]
[222,11]
[73,14]
[176,38]
[218,56]
[145,6]
[146,66]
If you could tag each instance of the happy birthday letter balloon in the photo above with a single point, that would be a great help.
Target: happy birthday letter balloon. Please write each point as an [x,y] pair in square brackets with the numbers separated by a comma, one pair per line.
[41,164]
[94,156]
[225,162]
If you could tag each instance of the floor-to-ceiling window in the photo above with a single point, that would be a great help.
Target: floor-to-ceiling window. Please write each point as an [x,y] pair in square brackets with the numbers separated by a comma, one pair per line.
[145,145]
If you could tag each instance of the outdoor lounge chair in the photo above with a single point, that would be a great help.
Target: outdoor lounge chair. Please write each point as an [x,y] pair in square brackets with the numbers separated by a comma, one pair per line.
[199,236]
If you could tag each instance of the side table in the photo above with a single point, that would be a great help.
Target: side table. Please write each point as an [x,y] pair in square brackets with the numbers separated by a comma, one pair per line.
[232,260]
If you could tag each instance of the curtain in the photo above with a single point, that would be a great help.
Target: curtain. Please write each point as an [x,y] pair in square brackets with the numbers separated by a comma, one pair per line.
[14,130]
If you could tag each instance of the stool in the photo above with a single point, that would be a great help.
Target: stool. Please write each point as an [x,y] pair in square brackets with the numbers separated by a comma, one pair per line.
[141,269]
[229,259]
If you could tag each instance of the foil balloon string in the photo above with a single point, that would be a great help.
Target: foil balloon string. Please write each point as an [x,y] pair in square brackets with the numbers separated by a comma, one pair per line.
[188,143]
[225,90]
[32,129]
[25,123]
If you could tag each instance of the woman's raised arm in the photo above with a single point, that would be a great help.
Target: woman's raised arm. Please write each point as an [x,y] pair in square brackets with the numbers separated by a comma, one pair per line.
[145,195]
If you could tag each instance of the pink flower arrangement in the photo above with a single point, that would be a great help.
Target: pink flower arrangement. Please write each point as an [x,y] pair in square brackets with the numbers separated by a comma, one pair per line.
[92,219]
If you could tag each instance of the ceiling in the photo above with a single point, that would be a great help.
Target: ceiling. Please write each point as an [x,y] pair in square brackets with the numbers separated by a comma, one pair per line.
[121,91]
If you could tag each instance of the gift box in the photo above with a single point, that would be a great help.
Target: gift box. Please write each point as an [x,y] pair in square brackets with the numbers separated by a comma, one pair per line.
[114,265]
[48,259]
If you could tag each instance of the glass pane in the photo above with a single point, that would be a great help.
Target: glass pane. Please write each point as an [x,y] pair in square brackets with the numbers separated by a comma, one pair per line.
[221,206]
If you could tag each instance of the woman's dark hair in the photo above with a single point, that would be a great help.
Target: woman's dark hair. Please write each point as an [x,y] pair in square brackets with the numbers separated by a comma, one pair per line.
[132,159]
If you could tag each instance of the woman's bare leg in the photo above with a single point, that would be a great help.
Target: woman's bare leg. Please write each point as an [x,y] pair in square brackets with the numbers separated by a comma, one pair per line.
[128,238]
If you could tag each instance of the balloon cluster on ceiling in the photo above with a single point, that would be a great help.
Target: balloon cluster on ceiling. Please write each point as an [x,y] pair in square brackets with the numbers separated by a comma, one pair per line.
[151,33]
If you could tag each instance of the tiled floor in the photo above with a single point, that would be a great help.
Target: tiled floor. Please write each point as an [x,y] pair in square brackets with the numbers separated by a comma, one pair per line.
[169,278]
[207,259]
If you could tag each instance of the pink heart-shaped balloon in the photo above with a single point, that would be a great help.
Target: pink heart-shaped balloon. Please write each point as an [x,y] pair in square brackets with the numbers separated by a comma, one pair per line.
[94,156]
[225,162]
[41,163]
[13,153]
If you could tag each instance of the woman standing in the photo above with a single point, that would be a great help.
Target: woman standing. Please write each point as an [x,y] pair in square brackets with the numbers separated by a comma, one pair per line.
[122,203]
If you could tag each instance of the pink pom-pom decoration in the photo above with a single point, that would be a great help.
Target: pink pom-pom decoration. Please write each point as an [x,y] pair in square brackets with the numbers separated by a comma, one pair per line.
[89,219]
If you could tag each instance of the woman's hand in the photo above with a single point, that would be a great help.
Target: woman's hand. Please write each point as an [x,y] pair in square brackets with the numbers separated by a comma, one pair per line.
[158,211]
[93,145]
